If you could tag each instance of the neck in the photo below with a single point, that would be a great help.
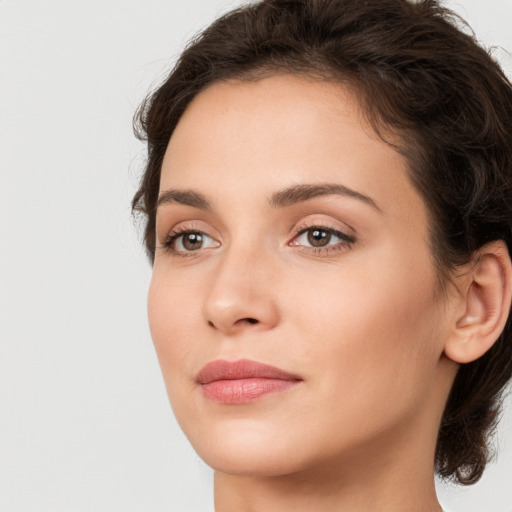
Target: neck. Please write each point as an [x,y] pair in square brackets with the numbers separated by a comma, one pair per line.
[399,478]
[305,492]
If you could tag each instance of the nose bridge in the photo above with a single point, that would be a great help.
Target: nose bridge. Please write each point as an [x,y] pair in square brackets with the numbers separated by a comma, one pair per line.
[241,292]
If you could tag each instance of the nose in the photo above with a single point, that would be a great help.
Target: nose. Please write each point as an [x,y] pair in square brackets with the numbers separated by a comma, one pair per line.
[242,295]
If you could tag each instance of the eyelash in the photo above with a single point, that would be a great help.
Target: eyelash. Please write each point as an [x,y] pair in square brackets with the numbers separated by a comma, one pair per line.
[173,236]
[347,240]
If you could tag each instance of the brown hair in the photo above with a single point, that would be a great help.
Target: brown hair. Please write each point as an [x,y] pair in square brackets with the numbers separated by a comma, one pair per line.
[418,76]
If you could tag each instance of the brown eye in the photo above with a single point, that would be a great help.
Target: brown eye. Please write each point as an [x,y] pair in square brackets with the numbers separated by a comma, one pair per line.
[325,240]
[319,237]
[192,241]
[183,242]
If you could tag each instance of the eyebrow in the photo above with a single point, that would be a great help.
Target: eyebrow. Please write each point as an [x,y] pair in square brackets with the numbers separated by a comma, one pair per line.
[299,193]
[185,197]
[283,198]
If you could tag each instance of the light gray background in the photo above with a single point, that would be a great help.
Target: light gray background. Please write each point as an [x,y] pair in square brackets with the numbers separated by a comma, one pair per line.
[84,419]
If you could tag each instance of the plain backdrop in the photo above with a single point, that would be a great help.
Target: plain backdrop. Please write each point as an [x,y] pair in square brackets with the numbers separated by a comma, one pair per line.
[85,425]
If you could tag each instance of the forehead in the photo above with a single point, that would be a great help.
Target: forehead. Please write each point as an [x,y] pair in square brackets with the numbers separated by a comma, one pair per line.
[260,136]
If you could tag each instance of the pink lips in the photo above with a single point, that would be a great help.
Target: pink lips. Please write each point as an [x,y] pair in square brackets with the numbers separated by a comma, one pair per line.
[242,381]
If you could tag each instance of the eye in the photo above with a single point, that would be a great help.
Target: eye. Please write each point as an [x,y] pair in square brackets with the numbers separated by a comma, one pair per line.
[186,241]
[319,237]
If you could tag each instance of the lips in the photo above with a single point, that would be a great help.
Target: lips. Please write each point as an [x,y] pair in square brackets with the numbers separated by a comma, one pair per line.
[242,381]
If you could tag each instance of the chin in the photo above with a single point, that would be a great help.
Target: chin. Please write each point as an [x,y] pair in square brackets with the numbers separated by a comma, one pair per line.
[248,450]
[253,462]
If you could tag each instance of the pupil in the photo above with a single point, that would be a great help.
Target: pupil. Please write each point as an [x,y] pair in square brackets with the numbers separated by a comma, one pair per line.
[192,241]
[318,237]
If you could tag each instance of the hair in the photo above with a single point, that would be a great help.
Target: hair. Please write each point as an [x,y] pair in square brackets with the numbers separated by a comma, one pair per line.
[419,74]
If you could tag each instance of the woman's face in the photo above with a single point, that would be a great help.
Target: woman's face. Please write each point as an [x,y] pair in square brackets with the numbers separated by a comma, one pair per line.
[290,235]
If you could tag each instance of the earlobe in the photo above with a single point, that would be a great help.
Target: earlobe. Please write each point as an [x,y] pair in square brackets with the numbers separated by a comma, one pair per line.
[486,292]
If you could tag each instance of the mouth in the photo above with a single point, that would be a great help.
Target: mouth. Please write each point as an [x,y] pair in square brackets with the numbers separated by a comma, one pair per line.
[242,381]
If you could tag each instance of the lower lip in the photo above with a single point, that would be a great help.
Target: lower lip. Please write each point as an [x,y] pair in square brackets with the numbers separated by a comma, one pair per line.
[242,391]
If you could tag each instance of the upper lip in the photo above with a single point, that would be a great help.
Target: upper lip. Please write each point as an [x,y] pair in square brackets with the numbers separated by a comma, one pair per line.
[241,369]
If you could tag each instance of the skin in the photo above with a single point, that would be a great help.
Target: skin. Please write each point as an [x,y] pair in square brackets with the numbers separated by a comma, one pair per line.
[361,321]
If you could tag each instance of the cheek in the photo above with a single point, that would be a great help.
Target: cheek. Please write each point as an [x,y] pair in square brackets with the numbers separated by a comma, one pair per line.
[173,323]
[375,329]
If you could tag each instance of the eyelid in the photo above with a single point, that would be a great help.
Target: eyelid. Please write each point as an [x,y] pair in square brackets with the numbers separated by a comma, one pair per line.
[174,236]
[177,235]
[345,243]
[348,233]
[167,239]
[166,242]
[340,234]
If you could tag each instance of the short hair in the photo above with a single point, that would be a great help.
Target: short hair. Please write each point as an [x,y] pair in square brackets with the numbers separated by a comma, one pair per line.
[419,74]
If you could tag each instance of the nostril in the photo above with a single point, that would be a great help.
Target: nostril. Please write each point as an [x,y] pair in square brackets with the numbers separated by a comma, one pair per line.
[238,322]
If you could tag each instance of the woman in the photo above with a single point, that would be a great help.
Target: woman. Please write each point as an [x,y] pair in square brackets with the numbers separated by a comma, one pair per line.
[328,198]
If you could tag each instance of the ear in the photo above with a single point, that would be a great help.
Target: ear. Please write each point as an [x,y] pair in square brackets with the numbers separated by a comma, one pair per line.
[485,294]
